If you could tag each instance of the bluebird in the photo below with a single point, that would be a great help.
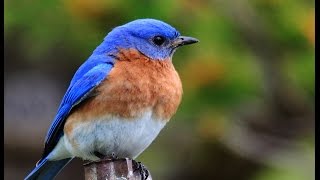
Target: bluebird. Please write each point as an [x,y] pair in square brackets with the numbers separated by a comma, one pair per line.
[118,100]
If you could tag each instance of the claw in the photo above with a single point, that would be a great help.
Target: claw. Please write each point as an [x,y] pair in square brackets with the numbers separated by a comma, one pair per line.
[144,172]
[114,156]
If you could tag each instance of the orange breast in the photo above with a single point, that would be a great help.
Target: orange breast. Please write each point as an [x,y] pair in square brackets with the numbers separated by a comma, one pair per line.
[135,84]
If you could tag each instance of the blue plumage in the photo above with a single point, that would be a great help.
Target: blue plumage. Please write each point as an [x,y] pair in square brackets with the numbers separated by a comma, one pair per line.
[82,83]
[47,170]
[138,34]
[88,76]
[153,38]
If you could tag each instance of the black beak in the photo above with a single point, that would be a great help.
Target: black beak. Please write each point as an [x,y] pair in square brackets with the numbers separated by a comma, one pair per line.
[184,40]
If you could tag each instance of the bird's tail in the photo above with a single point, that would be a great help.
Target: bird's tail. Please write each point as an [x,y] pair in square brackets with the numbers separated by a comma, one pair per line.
[47,169]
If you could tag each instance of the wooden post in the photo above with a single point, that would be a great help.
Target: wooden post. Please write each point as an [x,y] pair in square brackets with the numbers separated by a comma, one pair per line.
[107,169]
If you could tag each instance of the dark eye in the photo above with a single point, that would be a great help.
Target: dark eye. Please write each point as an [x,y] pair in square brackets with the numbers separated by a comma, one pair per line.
[158,40]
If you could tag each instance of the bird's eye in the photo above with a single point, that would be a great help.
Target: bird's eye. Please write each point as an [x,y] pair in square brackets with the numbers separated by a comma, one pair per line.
[158,40]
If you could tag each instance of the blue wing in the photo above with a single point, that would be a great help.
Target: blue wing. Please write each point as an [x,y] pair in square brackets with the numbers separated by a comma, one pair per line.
[87,77]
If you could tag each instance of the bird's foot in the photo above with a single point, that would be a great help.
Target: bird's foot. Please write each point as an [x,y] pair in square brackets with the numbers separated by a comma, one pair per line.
[114,156]
[144,172]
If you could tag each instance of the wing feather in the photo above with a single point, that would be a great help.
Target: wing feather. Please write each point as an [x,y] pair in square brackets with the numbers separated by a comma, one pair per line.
[88,77]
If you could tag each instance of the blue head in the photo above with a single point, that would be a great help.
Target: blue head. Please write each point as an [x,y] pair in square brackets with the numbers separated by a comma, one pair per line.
[153,38]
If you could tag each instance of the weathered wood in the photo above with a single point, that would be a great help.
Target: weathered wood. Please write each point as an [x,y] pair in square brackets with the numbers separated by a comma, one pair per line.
[107,169]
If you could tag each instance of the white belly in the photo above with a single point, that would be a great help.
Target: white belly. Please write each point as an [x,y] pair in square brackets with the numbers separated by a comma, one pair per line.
[110,134]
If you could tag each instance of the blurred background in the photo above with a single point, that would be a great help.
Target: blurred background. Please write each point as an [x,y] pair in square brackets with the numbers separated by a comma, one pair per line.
[248,107]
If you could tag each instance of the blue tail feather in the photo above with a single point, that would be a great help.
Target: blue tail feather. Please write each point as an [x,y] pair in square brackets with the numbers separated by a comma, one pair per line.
[47,169]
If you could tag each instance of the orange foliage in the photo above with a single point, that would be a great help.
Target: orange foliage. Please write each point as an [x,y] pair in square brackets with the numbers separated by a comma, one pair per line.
[210,126]
[201,72]
[85,9]
[308,27]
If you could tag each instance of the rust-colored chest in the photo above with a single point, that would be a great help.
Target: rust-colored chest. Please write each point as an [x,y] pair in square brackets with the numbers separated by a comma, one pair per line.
[134,85]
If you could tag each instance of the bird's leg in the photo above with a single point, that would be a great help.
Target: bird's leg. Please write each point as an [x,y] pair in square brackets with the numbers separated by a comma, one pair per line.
[144,172]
